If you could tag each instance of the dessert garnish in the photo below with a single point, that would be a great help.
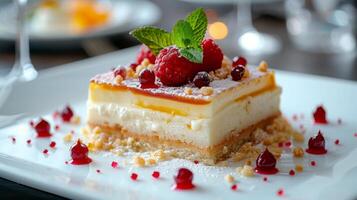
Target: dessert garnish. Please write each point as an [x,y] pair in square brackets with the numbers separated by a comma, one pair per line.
[42,128]
[28,141]
[265,163]
[183,179]
[32,124]
[316,145]
[79,154]
[98,171]
[156,174]
[237,73]
[120,71]
[320,115]
[239,61]
[292,172]
[114,164]
[313,163]
[52,144]
[265,179]
[337,142]
[145,52]
[234,187]
[45,151]
[201,79]
[147,79]
[280,192]
[66,114]
[134,176]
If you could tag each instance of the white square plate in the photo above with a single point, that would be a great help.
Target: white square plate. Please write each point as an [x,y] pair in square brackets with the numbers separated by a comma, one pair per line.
[334,177]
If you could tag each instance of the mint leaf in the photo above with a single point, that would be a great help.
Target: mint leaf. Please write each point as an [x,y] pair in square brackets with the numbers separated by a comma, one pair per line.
[182,34]
[193,55]
[198,22]
[155,38]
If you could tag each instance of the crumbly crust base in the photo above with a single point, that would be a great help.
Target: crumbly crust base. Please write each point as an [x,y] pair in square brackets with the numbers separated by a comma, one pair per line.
[117,139]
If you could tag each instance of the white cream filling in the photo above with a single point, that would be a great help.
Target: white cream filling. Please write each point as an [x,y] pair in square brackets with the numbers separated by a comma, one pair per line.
[202,132]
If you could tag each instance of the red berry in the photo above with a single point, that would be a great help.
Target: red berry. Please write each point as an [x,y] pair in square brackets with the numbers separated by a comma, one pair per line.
[43,128]
[313,163]
[67,114]
[320,115]
[120,71]
[280,192]
[114,164]
[145,52]
[212,55]
[155,174]
[134,176]
[238,72]
[234,187]
[53,144]
[173,69]
[201,79]
[337,141]
[133,66]
[292,172]
[239,61]
[183,179]
[288,144]
[147,77]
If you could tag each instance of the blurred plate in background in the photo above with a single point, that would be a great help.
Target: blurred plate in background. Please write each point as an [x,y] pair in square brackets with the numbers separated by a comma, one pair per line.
[126,15]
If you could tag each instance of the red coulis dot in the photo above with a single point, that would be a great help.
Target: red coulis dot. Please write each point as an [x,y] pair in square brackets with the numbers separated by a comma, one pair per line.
[320,115]
[147,79]
[196,162]
[67,114]
[98,171]
[31,123]
[239,61]
[183,179]
[316,145]
[13,139]
[79,154]
[237,73]
[53,144]
[280,192]
[265,163]
[155,174]
[114,164]
[57,127]
[337,141]
[234,187]
[313,163]
[292,172]
[45,151]
[265,179]
[288,143]
[134,176]
[43,128]
[28,141]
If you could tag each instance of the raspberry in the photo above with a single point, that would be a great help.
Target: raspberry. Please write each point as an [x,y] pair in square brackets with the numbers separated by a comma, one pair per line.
[212,55]
[146,76]
[145,52]
[201,79]
[237,73]
[173,69]
[67,114]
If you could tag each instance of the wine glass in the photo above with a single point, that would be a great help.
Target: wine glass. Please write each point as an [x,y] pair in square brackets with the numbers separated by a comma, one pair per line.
[22,70]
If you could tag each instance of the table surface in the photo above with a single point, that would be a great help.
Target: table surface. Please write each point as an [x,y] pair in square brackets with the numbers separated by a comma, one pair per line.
[342,66]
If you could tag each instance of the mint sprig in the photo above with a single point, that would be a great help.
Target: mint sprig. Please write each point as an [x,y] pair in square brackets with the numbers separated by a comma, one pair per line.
[187,34]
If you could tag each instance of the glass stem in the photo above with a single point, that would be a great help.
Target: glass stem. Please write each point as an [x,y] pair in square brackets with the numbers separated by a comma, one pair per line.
[244,17]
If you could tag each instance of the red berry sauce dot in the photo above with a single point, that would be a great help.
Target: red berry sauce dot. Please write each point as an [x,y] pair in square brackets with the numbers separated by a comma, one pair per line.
[98,171]
[134,176]
[320,115]
[280,192]
[155,174]
[292,172]
[79,154]
[13,139]
[28,141]
[183,179]
[316,145]
[67,114]
[355,134]
[57,127]
[280,144]
[43,128]
[239,61]
[66,162]
[265,179]
[55,115]
[337,142]
[114,164]
[237,73]
[196,162]
[147,79]
[201,79]
[45,151]
[234,187]
[120,71]
[32,123]
[313,163]
[265,163]
[53,144]
[295,117]
[288,143]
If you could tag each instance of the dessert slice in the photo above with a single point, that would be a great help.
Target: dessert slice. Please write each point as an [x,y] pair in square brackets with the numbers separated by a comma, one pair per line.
[191,101]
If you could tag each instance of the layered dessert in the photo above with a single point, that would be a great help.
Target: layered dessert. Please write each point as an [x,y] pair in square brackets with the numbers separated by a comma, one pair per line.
[182,94]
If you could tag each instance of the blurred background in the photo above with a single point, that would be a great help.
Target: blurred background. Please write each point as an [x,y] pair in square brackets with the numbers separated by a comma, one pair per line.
[307,36]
